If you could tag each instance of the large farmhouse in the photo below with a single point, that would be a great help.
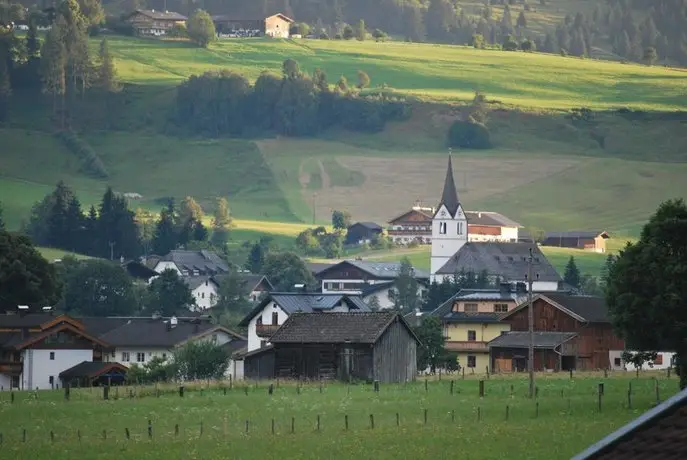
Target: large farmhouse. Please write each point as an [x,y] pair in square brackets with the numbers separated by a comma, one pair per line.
[276,25]
[154,23]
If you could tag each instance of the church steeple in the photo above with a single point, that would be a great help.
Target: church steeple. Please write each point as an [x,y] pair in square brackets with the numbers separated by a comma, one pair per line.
[449,197]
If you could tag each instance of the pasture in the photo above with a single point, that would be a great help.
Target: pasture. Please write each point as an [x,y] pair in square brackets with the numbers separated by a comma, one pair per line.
[444,419]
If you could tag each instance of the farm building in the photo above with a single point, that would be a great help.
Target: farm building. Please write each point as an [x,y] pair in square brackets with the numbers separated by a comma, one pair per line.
[94,373]
[660,433]
[154,23]
[571,332]
[363,232]
[276,25]
[590,241]
[345,346]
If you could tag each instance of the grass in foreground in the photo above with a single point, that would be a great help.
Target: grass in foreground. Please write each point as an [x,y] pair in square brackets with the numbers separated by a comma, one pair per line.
[213,425]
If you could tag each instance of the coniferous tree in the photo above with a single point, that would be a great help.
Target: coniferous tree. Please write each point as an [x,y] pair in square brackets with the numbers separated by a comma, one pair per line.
[166,235]
[522,20]
[572,274]
[117,231]
[53,59]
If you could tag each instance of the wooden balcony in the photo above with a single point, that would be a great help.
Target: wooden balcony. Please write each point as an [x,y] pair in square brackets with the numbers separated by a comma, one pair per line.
[467,345]
[10,367]
[266,330]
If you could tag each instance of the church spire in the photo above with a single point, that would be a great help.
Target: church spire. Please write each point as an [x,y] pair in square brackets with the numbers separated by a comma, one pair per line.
[449,197]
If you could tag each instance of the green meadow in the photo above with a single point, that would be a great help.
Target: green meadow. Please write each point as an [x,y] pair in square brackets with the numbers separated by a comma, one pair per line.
[445,417]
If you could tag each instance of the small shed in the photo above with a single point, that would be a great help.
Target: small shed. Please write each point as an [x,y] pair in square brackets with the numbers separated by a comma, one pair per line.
[510,350]
[362,232]
[594,240]
[346,346]
[94,373]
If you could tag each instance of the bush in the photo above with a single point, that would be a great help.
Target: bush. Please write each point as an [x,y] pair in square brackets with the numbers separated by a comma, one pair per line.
[477,41]
[324,35]
[528,45]
[469,135]
[337,36]
[348,32]
[509,44]
[178,31]
[90,161]
[379,35]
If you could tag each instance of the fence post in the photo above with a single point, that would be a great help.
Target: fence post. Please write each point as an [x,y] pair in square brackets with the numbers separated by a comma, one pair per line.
[487,372]
[451,387]
[346,422]
[453,415]
[247,426]
[176,429]
[481,388]
[150,429]
[126,433]
[106,393]
[272,426]
[605,373]
[293,425]
[479,414]
[511,390]
[318,422]
[376,386]
[372,421]
[12,397]
[425,416]
[23,435]
[571,373]
[270,389]
[66,393]
[536,410]
[463,367]
[507,411]
[52,436]
[181,391]
[201,428]
[245,390]
[398,419]
[104,435]
[426,389]
[600,393]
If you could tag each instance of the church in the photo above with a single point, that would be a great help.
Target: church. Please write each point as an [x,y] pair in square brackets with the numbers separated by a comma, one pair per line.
[452,253]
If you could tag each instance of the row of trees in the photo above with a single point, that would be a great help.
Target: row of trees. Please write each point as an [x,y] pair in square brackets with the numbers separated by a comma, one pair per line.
[293,104]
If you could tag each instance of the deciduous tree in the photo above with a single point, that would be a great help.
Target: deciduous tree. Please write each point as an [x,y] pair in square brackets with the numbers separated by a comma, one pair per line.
[99,288]
[201,29]
[168,294]
[406,297]
[200,360]
[285,270]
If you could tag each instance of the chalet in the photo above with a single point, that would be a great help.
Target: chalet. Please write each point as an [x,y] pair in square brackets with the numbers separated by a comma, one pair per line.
[368,346]
[368,279]
[276,25]
[204,289]
[36,348]
[155,23]
[587,240]
[506,262]
[472,318]
[363,232]
[415,226]
[571,332]
[660,433]
[189,263]
[276,307]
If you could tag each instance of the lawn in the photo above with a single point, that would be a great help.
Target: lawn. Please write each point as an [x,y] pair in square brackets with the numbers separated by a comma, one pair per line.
[52,254]
[332,421]
[428,71]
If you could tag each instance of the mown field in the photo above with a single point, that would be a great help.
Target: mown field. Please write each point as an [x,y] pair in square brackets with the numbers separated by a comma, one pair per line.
[401,421]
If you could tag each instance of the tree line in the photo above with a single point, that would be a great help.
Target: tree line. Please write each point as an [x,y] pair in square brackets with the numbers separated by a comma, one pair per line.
[294,104]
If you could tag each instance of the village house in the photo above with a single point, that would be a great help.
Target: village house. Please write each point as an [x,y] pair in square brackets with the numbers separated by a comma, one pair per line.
[371,346]
[415,226]
[155,23]
[36,348]
[472,318]
[204,289]
[571,332]
[658,434]
[363,233]
[189,263]
[276,307]
[588,240]
[276,25]
[369,279]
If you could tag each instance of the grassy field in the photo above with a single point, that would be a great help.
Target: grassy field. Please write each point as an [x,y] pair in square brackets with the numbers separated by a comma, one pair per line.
[410,421]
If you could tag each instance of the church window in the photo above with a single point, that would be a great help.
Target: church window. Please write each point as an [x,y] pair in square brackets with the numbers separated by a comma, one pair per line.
[442,228]
[460,228]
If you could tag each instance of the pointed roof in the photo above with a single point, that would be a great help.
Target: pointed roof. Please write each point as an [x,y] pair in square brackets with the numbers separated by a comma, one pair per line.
[449,197]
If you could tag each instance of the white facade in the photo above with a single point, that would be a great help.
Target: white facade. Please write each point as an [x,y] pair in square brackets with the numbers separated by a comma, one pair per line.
[508,235]
[5,382]
[254,342]
[449,234]
[665,359]
[384,300]
[166,265]
[41,365]
[205,295]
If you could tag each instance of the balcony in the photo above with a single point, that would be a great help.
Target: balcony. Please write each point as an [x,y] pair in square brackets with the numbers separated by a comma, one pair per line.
[10,367]
[467,345]
[266,330]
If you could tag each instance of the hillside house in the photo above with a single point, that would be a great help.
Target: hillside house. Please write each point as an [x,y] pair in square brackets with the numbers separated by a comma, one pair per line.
[368,279]
[472,318]
[276,25]
[658,434]
[362,233]
[155,23]
[204,289]
[255,286]
[588,240]
[189,263]
[36,348]
[571,332]
[276,307]
[345,346]
[415,226]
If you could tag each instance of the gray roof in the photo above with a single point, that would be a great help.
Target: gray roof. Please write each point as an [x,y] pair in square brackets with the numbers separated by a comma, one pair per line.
[19,321]
[155,333]
[163,15]
[193,282]
[203,261]
[522,339]
[489,218]
[576,234]
[317,267]
[384,270]
[249,280]
[449,197]
[90,369]
[479,317]
[591,309]
[372,288]
[336,327]
[369,225]
[506,260]
[306,302]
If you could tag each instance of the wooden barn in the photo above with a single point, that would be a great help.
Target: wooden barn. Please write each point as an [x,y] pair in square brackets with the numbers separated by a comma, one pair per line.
[571,332]
[346,346]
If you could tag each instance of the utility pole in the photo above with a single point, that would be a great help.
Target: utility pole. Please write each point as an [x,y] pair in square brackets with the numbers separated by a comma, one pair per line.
[530,317]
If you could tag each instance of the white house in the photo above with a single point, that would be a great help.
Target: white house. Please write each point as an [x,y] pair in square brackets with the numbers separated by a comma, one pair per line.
[204,289]
[452,253]
[268,315]
[35,349]
[664,360]
[190,263]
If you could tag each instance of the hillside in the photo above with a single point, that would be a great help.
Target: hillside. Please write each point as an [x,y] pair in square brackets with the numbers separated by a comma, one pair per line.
[545,170]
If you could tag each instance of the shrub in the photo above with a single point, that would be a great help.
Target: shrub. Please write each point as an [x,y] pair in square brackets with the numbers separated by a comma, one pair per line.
[469,135]
[477,41]
[178,31]
[324,35]
[528,45]
[90,162]
[348,32]
[509,44]
[337,36]
[379,35]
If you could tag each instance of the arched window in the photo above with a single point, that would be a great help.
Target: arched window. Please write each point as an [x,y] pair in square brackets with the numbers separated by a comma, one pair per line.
[275,318]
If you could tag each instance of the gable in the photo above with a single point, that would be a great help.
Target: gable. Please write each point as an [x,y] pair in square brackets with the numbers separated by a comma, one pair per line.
[63,336]
[343,270]
[413,215]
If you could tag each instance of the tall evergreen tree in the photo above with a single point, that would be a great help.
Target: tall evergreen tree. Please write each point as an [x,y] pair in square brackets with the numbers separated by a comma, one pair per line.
[33,43]
[117,231]
[572,274]
[166,235]
[406,297]
[53,59]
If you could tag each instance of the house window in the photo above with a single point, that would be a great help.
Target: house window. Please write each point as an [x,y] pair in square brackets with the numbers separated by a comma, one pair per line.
[275,318]
[460,228]
[470,308]
[472,361]
[659,359]
[140,357]
[442,228]
[164,355]
[258,322]
[616,362]
[472,336]
[51,379]
[125,357]
[202,295]
[52,356]
[500,307]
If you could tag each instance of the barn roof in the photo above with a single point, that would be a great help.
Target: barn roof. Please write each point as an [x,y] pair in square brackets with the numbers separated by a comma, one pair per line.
[91,369]
[336,327]
[207,261]
[380,270]
[584,308]
[658,434]
[522,339]
[158,333]
[479,317]
[489,218]
[577,234]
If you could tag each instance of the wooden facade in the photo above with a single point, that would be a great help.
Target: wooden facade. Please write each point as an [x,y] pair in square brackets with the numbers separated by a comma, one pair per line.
[590,348]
